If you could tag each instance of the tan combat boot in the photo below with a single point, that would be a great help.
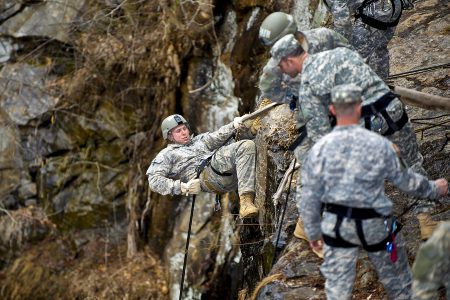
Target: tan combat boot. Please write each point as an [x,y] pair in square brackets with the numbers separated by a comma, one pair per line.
[248,209]
[426,224]
[299,233]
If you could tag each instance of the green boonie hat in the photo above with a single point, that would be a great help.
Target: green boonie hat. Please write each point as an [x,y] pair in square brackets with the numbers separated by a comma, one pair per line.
[346,93]
[284,47]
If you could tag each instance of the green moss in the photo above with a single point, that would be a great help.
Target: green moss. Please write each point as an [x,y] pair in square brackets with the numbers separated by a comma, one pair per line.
[110,154]
[70,220]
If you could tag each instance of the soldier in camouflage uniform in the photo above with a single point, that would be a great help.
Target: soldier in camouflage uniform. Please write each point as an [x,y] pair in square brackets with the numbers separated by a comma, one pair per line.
[275,85]
[369,28]
[231,167]
[382,110]
[431,269]
[281,88]
[344,172]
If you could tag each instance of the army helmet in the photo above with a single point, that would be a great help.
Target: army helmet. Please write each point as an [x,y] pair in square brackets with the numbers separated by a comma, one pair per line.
[275,26]
[170,123]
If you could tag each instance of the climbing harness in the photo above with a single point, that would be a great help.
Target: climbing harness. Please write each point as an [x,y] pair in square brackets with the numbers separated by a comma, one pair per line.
[280,222]
[379,107]
[358,214]
[372,21]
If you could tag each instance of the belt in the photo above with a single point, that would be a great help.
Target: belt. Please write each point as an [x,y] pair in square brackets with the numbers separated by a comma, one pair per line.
[352,212]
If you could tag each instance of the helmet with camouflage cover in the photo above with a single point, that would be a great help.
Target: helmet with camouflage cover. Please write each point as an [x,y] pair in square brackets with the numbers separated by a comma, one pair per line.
[275,26]
[170,123]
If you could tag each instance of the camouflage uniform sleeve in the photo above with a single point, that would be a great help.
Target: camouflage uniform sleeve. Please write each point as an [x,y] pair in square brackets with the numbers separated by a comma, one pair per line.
[405,178]
[270,83]
[342,18]
[157,177]
[216,139]
[311,195]
[314,113]
[323,39]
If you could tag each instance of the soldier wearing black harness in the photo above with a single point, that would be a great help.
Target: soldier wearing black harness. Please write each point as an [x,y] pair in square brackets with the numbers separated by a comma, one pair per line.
[368,25]
[344,175]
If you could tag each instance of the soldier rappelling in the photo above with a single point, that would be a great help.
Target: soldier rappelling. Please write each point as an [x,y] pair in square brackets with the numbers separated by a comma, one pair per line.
[226,168]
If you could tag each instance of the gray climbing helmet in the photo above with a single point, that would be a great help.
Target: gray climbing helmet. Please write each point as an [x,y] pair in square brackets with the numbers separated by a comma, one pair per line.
[275,26]
[170,123]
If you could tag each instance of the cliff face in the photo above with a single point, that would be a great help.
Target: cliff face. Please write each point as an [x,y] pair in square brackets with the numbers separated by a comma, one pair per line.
[84,89]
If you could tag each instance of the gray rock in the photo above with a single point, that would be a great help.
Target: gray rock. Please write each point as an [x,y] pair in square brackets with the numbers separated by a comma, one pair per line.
[52,19]
[24,95]
[7,47]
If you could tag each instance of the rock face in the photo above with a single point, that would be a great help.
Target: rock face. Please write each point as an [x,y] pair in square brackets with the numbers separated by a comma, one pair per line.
[39,19]
[79,123]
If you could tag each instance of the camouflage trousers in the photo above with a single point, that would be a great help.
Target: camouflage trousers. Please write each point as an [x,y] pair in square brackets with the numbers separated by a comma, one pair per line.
[431,268]
[236,163]
[371,44]
[406,140]
[339,266]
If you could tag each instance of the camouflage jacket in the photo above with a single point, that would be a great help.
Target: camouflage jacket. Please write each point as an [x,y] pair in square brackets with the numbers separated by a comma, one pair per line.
[321,72]
[279,87]
[177,163]
[348,167]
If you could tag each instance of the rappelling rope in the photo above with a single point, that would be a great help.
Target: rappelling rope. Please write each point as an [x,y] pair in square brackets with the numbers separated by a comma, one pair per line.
[282,215]
[418,71]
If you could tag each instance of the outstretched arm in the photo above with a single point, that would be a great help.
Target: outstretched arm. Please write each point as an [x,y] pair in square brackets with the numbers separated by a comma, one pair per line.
[411,182]
[216,139]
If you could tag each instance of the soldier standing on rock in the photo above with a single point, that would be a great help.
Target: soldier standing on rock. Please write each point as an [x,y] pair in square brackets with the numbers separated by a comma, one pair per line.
[344,173]
[368,26]
[231,167]
[382,111]
[275,85]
